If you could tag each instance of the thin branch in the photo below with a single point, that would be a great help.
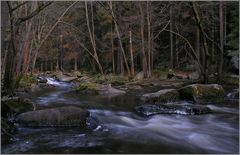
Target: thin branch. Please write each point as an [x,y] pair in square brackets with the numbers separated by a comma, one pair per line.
[162,30]
[193,53]
[59,19]
[34,13]
[18,6]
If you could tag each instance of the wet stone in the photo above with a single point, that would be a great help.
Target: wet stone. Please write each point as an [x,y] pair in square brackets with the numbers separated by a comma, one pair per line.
[152,109]
[55,117]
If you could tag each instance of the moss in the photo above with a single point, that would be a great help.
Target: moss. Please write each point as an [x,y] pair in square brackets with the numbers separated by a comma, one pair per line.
[88,88]
[111,79]
[198,92]
[27,81]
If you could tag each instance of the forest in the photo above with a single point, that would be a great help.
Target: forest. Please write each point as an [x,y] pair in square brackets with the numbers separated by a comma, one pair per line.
[98,76]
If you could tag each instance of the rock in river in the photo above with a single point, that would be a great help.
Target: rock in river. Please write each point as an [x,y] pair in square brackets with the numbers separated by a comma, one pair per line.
[150,109]
[202,92]
[161,96]
[55,117]
[17,104]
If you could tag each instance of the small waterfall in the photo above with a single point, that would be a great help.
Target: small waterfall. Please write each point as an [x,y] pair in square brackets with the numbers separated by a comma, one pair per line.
[54,82]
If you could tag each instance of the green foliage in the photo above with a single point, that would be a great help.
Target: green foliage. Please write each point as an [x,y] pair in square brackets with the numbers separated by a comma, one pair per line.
[27,81]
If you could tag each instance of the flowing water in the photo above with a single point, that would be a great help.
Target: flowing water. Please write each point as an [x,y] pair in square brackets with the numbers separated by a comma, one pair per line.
[117,129]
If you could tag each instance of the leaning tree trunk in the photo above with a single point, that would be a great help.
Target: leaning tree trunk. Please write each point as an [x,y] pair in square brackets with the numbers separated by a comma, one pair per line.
[92,37]
[205,45]
[119,38]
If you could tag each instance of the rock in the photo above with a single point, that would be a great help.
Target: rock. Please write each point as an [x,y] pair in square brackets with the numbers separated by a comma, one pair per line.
[139,76]
[77,74]
[150,109]
[67,79]
[234,95]
[202,92]
[57,117]
[42,79]
[18,105]
[161,96]
[87,88]
[109,90]
[64,77]
[94,88]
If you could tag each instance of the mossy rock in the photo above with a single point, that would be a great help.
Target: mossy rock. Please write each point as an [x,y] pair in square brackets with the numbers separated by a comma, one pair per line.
[55,117]
[77,73]
[164,95]
[18,105]
[203,92]
[26,83]
[88,88]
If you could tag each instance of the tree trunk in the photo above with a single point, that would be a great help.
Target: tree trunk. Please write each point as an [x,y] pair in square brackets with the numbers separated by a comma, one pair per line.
[61,53]
[149,40]
[26,44]
[92,37]
[205,45]
[119,38]
[113,59]
[220,69]
[75,64]
[171,39]
[198,48]
[131,52]
[144,60]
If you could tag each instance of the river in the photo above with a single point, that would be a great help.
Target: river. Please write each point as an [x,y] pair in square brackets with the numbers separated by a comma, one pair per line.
[114,127]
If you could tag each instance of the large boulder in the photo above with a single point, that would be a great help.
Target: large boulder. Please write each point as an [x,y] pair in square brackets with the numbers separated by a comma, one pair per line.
[57,117]
[164,95]
[148,110]
[17,104]
[202,92]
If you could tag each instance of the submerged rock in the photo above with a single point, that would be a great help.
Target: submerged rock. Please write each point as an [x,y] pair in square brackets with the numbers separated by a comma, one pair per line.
[150,109]
[18,105]
[202,92]
[161,96]
[57,117]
